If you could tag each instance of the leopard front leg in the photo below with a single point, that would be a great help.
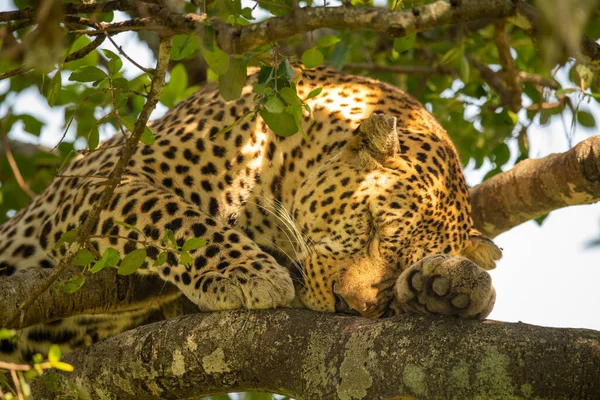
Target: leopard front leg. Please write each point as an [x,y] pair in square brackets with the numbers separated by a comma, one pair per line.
[230,272]
[447,285]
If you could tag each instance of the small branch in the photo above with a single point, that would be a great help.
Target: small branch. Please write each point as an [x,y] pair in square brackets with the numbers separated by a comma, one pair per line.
[538,80]
[493,79]
[85,50]
[536,187]
[335,356]
[76,55]
[114,179]
[120,50]
[13,72]
[73,8]
[509,69]
[15,168]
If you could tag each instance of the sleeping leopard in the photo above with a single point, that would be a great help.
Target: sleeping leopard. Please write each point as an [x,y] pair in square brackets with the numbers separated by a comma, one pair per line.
[368,213]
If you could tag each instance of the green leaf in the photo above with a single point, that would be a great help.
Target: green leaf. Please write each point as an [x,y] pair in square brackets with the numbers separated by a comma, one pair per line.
[314,93]
[585,74]
[132,262]
[247,13]
[111,257]
[169,240]
[115,64]
[216,59]
[193,244]
[265,74]
[66,237]
[586,119]
[83,257]
[73,284]
[290,96]
[93,138]
[185,259]
[7,333]
[405,43]
[54,88]
[147,136]
[274,105]
[339,55]
[54,359]
[563,92]
[296,112]
[184,46]
[465,69]
[175,89]
[451,55]
[31,124]
[282,124]
[87,74]
[161,259]
[491,173]
[90,59]
[327,40]
[501,154]
[98,266]
[63,366]
[541,219]
[232,82]
[54,354]
[312,58]
[285,70]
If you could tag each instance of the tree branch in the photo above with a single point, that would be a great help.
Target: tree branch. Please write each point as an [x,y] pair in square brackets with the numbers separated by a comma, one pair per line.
[395,23]
[335,356]
[509,69]
[535,187]
[104,292]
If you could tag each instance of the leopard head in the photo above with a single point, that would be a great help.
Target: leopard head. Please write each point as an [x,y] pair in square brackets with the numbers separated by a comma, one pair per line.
[385,201]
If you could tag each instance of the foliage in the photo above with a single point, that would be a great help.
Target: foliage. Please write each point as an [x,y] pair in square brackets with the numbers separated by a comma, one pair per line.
[468,76]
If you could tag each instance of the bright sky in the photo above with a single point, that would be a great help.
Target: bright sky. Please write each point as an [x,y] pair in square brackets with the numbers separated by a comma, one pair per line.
[547,276]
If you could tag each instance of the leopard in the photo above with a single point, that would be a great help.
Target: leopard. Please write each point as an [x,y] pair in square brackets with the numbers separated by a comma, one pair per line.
[366,212]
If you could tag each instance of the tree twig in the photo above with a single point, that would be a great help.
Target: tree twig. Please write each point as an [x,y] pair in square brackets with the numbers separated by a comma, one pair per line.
[114,179]
[493,79]
[76,55]
[538,80]
[509,69]
[15,168]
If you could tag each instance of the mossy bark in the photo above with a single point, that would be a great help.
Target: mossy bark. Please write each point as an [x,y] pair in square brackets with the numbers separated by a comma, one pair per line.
[311,355]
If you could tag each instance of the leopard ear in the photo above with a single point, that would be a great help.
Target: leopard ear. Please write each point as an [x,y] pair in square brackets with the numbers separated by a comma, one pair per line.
[482,250]
[375,139]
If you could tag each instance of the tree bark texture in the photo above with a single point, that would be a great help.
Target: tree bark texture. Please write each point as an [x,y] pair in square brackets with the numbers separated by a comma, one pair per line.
[102,293]
[535,187]
[311,355]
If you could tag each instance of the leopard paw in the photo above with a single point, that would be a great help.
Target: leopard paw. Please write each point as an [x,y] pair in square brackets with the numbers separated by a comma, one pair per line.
[215,291]
[447,285]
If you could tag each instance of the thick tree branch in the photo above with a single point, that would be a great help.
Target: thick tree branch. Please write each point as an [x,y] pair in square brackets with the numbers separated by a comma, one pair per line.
[103,292]
[396,23]
[337,357]
[536,187]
